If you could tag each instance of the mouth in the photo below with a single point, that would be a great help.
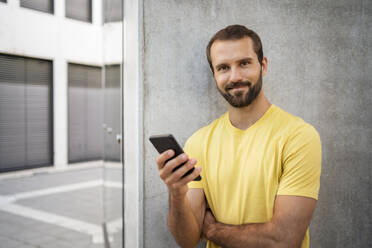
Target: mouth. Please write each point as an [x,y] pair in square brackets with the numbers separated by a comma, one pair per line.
[237,86]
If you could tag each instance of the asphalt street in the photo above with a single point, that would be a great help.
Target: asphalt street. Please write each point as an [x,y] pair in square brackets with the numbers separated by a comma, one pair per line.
[60,209]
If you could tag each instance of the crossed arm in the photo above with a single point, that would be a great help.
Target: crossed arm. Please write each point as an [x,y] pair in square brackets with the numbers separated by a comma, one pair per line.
[292,215]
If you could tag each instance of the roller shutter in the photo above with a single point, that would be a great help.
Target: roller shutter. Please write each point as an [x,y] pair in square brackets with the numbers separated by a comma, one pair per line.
[113,10]
[40,5]
[84,113]
[79,10]
[25,113]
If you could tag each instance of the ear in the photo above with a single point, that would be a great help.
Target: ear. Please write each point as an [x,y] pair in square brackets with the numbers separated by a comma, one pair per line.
[264,66]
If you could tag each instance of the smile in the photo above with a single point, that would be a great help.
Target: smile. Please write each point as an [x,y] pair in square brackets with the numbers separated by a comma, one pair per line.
[238,87]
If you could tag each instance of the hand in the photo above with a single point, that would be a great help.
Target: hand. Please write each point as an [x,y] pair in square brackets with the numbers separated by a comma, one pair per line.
[177,185]
[208,224]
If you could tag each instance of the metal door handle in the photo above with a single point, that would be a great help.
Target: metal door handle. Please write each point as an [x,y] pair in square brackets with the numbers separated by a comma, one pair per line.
[118,138]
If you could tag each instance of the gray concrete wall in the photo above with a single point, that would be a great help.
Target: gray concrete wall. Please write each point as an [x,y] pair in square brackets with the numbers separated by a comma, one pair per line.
[319,69]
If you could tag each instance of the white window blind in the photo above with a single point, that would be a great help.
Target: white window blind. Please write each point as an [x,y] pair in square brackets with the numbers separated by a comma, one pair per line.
[25,113]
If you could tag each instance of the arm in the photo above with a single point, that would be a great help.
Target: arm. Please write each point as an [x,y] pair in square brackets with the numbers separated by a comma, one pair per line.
[292,215]
[186,207]
[186,216]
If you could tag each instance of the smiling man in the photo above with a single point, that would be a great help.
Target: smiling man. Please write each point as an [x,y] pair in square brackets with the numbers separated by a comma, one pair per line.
[260,165]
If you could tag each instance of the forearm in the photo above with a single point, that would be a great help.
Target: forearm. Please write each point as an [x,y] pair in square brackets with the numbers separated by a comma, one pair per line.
[182,222]
[248,235]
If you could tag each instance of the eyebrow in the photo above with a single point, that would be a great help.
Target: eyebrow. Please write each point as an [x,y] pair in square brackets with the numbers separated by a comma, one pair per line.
[249,59]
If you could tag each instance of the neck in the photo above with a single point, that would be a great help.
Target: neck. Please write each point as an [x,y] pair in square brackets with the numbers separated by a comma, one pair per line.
[245,117]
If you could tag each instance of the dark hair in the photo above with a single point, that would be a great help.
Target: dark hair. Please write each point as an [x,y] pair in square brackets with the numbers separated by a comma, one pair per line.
[236,32]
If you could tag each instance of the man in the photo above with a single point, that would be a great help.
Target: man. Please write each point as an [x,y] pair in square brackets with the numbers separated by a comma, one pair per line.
[260,166]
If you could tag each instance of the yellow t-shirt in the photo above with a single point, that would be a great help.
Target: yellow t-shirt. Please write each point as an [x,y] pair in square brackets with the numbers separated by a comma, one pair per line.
[243,170]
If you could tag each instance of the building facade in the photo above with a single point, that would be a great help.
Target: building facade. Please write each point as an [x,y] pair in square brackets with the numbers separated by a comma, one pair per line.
[56,59]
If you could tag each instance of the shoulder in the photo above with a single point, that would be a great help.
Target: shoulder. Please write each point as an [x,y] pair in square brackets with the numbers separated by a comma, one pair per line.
[297,135]
[293,126]
[202,135]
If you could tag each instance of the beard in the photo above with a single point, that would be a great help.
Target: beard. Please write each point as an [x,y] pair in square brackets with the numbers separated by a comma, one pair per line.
[239,99]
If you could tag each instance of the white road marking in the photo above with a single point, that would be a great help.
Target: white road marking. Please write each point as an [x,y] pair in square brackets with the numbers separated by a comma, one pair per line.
[58,189]
[113,184]
[6,200]
[80,226]
[7,203]
[55,169]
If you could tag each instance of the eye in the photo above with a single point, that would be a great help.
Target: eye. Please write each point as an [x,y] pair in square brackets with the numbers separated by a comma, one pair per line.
[245,63]
[222,68]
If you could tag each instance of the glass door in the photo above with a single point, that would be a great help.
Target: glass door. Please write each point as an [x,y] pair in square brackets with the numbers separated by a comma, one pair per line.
[112,125]
[112,169]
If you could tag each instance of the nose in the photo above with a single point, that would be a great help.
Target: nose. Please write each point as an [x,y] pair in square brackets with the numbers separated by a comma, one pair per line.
[236,75]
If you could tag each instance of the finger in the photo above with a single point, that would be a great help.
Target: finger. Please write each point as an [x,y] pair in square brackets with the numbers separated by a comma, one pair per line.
[189,178]
[173,163]
[160,160]
[176,175]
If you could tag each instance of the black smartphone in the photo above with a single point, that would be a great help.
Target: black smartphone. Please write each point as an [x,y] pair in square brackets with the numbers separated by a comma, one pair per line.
[165,142]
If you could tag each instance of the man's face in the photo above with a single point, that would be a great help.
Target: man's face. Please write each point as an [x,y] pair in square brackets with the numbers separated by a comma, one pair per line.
[237,72]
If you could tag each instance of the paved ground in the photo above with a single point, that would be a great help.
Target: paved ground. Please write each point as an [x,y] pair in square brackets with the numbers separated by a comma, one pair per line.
[61,209]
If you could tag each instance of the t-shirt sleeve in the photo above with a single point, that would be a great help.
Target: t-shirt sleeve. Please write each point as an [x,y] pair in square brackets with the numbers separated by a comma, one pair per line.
[301,164]
[193,149]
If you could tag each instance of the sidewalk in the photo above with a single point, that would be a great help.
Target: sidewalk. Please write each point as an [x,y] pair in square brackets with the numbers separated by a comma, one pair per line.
[61,209]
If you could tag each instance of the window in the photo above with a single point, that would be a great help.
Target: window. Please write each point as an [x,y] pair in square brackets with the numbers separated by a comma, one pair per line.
[79,10]
[84,113]
[26,139]
[113,10]
[40,5]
